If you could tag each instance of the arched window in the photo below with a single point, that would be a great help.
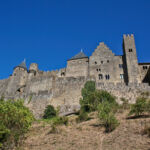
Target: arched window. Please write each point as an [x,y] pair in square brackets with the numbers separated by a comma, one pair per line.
[100,76]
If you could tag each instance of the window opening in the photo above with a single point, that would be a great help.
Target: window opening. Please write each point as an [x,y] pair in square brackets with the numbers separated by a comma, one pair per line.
[130,50]
[100,76]
[107,77]
[121,76]
[145,67]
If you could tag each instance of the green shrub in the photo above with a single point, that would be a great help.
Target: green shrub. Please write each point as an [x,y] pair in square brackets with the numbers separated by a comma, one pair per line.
[91,97]
[15,120]
[139,107]
[60,121]
[83,116]
[88,87]
[57,121]
[105,96]
[49,112]
[88,96]
[106,115]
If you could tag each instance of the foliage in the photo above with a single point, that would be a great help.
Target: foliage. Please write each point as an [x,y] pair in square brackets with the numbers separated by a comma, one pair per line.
[91,97]
[139,107]
[105,96]
[15,121]
[106,115]
[60,121]
[88,88]
[57,121]
[51,116]
[100,100]
[83,116]
[49,112]
[88,94]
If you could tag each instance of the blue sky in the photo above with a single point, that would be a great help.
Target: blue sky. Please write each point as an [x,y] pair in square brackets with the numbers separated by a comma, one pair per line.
[49,32]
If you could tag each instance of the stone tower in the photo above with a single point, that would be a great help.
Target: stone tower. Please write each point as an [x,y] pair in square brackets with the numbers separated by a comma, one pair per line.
[77,65]
[18,79]
[32,70]
[131,69]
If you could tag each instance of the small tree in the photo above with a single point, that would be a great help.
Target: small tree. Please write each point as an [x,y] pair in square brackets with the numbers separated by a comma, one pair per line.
[105,96]
[83,116]
[106,115]
[15,120]
[49,112]
[88,96]
[139,107]
[91,97]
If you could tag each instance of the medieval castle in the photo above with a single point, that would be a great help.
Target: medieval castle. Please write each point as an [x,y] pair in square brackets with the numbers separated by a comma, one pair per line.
[121,75]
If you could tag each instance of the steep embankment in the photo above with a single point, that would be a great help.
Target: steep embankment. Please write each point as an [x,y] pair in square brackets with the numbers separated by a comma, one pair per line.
[89,135]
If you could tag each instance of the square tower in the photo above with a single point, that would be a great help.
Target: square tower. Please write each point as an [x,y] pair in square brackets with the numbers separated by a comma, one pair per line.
[130,60]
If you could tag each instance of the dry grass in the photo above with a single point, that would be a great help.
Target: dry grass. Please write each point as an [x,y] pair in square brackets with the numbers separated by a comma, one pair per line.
[89,135]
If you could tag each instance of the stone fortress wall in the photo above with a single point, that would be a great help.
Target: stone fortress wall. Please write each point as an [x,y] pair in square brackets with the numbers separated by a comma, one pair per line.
[123,76]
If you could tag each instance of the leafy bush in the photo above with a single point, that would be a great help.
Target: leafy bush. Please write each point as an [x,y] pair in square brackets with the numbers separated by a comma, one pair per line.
[57,121]
[106,115]
[139,107]
[83,116]
[49,112]
[88,88]
[91,97]
[105,96]
[60,121]
[15,120]
[88,95]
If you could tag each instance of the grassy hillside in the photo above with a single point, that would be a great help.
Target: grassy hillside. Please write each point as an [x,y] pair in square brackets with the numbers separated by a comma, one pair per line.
[89,135]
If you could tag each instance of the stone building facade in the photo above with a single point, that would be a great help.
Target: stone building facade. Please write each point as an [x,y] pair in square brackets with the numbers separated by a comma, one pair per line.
[122,75]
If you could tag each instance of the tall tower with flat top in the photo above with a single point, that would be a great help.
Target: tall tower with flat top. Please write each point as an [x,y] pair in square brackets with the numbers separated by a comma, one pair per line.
[131,68]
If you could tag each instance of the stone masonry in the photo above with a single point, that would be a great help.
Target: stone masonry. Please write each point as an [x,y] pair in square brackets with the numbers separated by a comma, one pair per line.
[122,75]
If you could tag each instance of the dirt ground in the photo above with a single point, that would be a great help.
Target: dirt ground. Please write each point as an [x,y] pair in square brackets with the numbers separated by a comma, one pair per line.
[89,135]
